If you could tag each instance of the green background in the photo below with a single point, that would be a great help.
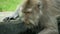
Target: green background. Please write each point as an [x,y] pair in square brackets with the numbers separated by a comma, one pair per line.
[9,5]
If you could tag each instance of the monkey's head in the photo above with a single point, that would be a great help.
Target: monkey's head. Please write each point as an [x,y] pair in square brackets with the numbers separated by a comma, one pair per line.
[31,13]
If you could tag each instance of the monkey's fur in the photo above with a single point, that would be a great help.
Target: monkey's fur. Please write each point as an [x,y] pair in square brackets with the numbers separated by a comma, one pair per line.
[42,12]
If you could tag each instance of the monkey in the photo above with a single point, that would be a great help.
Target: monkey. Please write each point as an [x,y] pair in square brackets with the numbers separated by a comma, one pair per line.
[41,13]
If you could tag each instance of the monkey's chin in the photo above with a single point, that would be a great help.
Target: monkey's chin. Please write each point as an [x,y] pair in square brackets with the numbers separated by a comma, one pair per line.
[29,26]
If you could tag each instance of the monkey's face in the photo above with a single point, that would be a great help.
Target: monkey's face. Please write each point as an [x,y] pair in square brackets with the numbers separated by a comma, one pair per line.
[31,14]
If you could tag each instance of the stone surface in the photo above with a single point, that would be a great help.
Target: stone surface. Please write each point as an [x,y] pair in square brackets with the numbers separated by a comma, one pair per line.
[10,27]
[5,14]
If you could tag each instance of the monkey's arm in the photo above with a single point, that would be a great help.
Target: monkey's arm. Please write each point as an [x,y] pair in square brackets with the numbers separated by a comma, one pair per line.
[50,26]
[13,16]
[17,12]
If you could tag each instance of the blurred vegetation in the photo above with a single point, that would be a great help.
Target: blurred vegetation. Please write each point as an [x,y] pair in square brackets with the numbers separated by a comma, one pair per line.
[9,5]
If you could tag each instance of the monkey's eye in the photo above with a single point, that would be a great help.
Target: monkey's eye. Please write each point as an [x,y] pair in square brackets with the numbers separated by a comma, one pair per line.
[27,12]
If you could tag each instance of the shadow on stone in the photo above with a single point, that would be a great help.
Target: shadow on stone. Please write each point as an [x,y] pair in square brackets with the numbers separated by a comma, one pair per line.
[13,27]
[17,27]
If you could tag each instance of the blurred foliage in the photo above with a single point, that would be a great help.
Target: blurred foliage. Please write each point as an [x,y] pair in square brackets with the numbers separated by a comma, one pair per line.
[9,5]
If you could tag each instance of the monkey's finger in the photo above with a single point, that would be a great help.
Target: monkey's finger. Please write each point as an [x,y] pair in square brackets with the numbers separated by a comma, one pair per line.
[6,19]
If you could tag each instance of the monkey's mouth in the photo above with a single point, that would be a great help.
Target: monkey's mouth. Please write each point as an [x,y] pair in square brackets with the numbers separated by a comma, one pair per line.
[28,25]
[29,22]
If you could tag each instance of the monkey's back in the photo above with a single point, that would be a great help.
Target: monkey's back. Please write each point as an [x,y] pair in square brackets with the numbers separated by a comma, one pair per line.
[53,7]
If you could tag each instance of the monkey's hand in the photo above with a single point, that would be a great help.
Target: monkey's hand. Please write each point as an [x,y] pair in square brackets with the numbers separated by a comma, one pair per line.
[8,19]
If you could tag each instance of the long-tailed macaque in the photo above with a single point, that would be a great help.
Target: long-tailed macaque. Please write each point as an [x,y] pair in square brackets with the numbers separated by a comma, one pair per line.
[40,13]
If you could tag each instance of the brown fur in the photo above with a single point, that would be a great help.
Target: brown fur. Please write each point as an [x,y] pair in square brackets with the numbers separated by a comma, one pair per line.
[43,12]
